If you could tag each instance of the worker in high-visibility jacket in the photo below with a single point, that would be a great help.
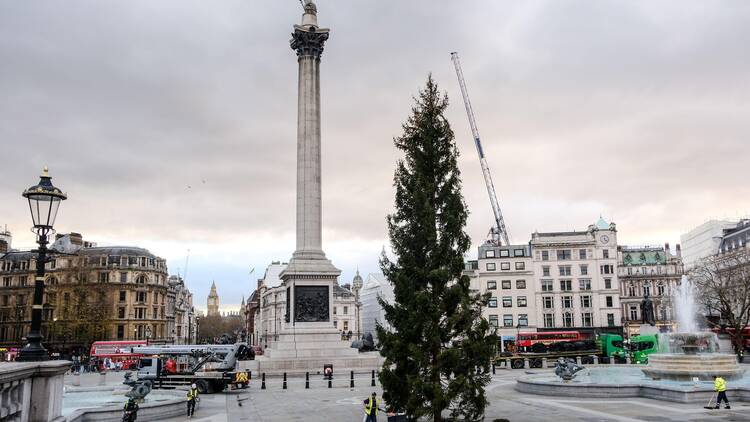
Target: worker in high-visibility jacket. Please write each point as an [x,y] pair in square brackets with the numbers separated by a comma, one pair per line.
[192,398]
[371,408]
[720,386]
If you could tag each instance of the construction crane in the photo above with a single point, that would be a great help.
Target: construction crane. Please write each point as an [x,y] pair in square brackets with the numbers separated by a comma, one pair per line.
[498,232]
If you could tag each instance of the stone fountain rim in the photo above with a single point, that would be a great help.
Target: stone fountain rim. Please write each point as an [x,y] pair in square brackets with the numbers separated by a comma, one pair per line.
[676,393]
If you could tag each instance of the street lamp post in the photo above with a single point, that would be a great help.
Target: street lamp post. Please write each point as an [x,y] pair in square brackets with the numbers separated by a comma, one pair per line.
[44,200]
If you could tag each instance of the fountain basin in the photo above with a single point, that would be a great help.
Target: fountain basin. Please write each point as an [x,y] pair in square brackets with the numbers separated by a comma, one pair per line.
[105,403]
[611,381]
[685,367]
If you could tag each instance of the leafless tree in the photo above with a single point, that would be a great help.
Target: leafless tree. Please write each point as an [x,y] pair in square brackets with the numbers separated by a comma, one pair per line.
[723,283]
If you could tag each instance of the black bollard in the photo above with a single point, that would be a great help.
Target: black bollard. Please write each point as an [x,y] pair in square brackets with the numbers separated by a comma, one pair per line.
[493,368]
[307,380]
[373,378]
[329,382]
[263,381]
[283,387]
[249,375]
[351,379]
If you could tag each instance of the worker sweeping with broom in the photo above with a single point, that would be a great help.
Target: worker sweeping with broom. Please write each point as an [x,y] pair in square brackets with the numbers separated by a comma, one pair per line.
[720,387]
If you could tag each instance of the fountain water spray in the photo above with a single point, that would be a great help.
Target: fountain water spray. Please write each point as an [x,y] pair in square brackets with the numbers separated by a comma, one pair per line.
[684,300]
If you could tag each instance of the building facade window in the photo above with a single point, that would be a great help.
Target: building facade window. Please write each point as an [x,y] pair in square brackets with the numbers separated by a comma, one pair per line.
[492,303]
[523,320]
[123,295]
[517,252]
[549,320]
[609,301]
[489,253]
[563,254]
[548,302]
[504,253]
[633,313]
[567,302]
[584,269]
[564,270]
[507,301]
[545,271]
[585,301]
[520,265]
[506,284]
[607,269]
[546,285]
[505,266]
[586,319]
[610,320]
[566,285]
[490,266]
[567,319]
[521,301]
[605,253]
[520,284]
[507,320]
[607,283]
[582,254]
[584,284]
[545,255]
[123,277]
[493,320]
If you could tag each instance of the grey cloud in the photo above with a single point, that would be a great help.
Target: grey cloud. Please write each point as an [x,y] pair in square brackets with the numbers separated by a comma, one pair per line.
[626,108]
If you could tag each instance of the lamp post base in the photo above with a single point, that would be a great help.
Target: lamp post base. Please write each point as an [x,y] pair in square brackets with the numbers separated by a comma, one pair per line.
[32,352]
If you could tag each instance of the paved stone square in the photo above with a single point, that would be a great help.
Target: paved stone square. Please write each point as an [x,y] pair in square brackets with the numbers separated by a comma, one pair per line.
[342,403]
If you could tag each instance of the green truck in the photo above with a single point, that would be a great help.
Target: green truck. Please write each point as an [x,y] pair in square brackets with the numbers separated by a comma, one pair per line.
[643,345]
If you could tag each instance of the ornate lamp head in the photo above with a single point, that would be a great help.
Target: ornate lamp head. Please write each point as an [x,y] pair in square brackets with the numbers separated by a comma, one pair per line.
[44,200]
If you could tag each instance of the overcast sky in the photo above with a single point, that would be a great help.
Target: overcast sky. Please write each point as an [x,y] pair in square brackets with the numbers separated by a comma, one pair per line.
[172,124]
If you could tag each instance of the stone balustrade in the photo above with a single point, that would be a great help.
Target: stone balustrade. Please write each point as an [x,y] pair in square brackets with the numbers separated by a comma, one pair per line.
[32,391]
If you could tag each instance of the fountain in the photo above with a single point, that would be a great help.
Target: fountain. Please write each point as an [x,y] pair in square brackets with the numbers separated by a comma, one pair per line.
[689,353]
[682,371]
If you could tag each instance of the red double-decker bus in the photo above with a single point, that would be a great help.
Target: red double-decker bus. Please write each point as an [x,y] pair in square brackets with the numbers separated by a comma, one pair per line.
[109,353]
[526,340]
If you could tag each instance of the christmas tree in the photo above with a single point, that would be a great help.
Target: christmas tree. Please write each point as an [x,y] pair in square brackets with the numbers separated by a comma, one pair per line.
[438,347]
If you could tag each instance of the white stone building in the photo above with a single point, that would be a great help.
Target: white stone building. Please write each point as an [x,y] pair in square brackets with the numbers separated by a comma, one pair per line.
[506,272]
[648,270]
[375,286]
[575,279]
[180,313]
[703,241]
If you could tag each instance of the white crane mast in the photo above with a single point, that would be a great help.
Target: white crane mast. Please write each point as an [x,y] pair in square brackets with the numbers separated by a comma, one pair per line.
[499,230]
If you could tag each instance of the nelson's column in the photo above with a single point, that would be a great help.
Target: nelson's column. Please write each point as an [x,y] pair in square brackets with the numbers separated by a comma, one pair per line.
[308,339]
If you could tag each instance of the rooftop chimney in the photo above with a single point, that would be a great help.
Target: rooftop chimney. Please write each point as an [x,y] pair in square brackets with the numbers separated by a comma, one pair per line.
[3,246]
[679,251]
[666,248]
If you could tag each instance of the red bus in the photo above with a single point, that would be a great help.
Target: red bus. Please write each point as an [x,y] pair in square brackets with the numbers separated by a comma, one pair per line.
[547,338]
[109,353]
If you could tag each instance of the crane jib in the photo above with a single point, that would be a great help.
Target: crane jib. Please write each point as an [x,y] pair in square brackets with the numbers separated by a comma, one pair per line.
[479,147]
[500,229]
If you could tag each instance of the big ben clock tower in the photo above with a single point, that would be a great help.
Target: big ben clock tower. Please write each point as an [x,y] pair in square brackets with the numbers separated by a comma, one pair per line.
[213,301]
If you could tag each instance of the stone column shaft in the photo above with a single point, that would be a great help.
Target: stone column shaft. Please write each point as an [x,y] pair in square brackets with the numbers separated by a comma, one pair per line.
[308,157]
